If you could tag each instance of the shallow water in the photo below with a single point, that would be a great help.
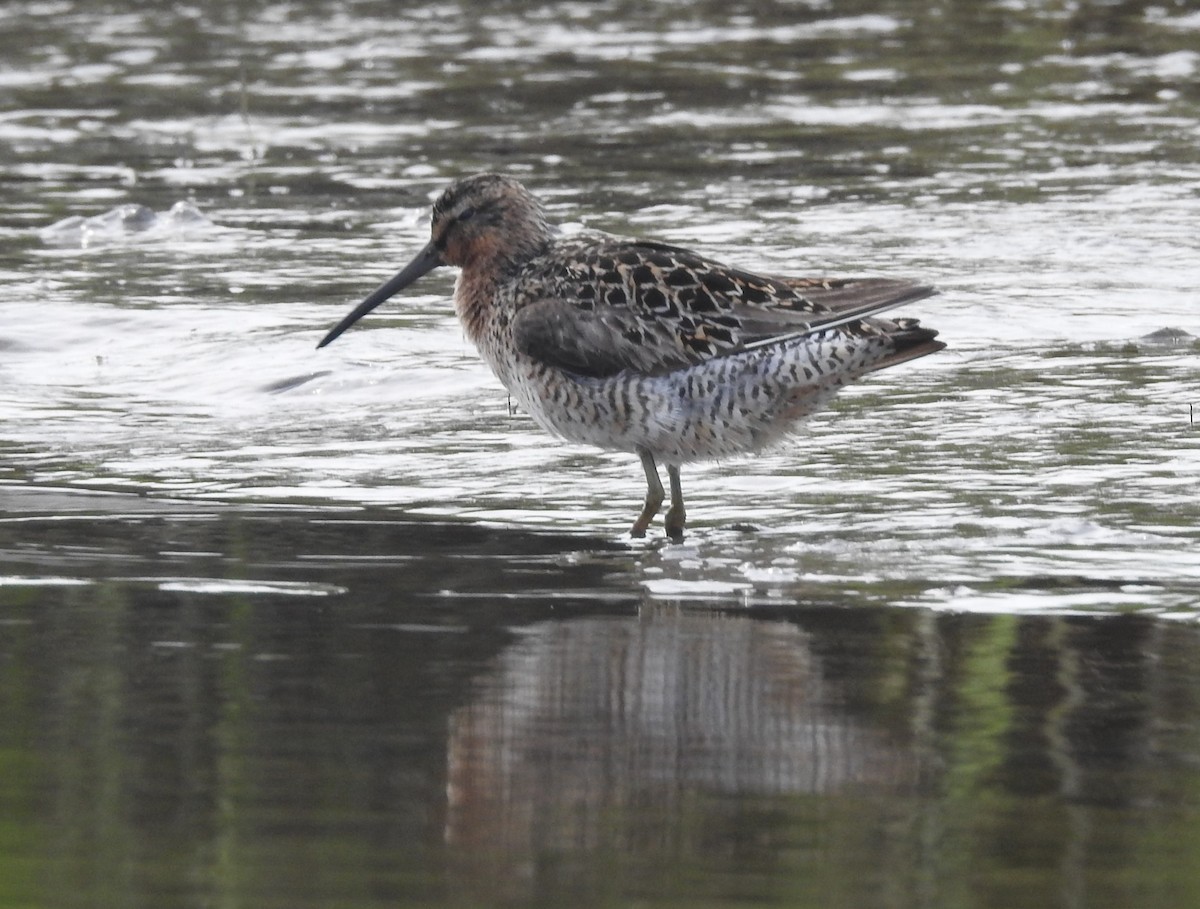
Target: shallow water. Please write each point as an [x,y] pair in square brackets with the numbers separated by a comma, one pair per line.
[281,626]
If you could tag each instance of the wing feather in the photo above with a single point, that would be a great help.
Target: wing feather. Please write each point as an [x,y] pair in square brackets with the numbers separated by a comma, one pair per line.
[653,308]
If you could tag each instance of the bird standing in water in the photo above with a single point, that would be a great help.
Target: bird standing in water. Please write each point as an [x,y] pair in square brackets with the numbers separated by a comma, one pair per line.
[638,346]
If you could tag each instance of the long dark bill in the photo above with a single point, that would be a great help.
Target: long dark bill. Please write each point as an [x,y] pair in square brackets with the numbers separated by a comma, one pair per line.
[426,260]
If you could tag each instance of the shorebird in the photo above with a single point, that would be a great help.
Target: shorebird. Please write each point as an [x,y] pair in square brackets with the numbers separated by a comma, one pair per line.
[638,346]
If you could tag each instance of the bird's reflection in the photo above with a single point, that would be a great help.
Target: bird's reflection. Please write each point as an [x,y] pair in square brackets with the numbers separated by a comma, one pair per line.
[585,726]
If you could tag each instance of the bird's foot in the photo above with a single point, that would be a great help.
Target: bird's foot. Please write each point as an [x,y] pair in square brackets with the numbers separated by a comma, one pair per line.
[676,515]
[674,524]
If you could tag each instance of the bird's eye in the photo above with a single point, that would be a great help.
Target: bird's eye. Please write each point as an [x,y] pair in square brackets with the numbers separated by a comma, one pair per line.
[466,214]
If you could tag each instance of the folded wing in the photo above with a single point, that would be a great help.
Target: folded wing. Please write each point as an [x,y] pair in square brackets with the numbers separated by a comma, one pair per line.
[652,308]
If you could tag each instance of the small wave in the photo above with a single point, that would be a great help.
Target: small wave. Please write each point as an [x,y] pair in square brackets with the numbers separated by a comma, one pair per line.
[124,222]
[226,587]
[292,382]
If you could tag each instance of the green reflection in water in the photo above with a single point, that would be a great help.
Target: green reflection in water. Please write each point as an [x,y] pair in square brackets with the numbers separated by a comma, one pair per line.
[185,749]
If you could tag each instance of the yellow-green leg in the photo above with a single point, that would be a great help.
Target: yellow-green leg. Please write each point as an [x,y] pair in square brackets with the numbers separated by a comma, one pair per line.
[654,495]
[676,516]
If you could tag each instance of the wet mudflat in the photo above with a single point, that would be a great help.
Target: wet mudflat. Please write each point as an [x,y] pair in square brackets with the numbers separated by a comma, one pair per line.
[281,627]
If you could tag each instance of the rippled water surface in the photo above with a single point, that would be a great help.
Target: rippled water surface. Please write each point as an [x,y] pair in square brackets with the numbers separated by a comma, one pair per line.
[288,627]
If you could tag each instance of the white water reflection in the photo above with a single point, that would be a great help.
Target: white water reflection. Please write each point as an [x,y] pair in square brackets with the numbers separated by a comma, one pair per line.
[1049,193]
